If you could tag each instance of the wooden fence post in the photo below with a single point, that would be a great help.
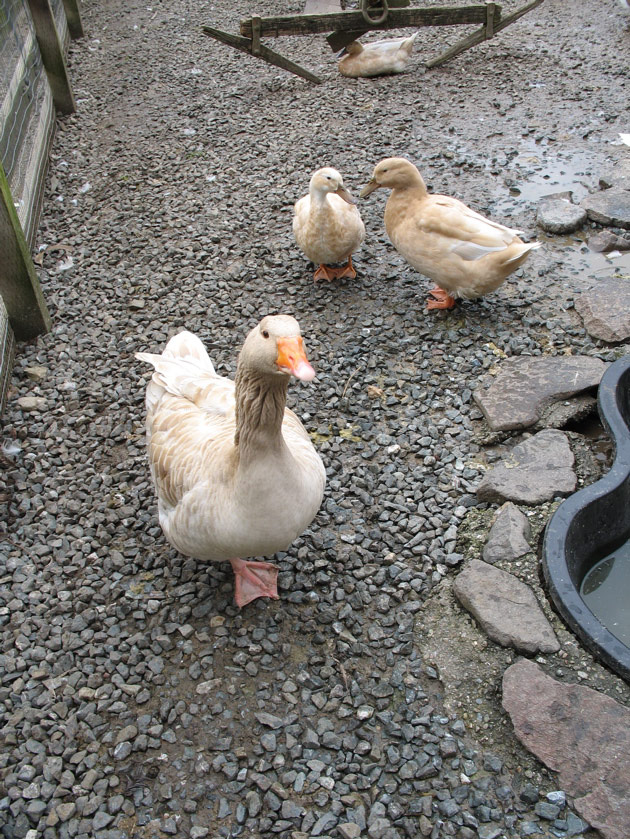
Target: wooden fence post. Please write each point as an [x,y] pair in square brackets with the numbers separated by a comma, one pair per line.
[73,16]
[19,284]
[52,55]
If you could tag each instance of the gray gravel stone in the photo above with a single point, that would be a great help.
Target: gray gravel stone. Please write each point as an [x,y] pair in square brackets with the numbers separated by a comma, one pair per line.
[133,692]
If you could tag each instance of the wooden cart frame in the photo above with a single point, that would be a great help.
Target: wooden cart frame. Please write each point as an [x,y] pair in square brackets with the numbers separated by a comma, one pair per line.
[373,15]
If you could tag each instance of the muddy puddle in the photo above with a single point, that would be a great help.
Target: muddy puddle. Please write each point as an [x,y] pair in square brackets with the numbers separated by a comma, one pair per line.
[541,170]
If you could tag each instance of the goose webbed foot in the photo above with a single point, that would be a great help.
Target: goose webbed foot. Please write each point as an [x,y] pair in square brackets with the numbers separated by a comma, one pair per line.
[253,580]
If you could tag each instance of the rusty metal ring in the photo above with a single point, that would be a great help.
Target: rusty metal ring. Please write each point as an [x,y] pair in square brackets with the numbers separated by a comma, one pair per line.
[373,21]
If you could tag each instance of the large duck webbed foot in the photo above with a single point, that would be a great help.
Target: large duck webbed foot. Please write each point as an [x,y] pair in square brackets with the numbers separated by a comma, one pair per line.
[253,580]
[325,272]
[440,299]
[346,270]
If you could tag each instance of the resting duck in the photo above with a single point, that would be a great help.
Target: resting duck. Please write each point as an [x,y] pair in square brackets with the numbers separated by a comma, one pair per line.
[378,58]
[235,473]
[465,254]
[327,225]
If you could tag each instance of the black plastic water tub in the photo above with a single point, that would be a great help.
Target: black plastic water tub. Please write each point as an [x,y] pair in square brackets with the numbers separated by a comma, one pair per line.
[594,523]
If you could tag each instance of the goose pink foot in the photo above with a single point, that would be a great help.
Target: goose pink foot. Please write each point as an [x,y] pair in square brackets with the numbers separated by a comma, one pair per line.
[253,580]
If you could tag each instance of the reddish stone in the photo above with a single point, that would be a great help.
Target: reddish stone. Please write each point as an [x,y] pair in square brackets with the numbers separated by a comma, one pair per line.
[580,733]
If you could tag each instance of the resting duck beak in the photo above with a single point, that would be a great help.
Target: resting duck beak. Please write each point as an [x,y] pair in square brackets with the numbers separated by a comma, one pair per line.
[292,359]
[369,188]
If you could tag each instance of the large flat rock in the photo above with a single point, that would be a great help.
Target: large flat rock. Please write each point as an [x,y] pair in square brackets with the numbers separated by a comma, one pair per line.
[516,396]
[505,607]
[579,733]
[605,310]
[508,537]
[537,469]
[557,214]
[610,207]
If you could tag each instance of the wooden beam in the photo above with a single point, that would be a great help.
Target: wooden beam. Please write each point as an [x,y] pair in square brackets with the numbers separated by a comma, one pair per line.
[338,40]
[246,45]
[480,35]
[52,55]
[73,16]
[19,285]
[273,27]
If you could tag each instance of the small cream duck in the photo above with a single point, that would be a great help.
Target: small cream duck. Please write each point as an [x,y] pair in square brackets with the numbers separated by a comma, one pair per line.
[235,473]
[376,58]
[464,253]
[327,225]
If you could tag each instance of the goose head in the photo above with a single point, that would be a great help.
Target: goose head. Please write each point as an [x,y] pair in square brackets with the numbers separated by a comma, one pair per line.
[393,173]
[329,180]
[275,348]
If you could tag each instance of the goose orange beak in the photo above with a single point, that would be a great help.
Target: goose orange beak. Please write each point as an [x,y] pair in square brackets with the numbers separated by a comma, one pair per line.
[292,359]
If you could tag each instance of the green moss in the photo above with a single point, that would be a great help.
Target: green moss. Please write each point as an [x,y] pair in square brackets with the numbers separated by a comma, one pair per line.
[472,533]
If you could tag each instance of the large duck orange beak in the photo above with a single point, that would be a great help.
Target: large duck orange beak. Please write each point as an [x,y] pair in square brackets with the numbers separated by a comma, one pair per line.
[292,359]
[369,188]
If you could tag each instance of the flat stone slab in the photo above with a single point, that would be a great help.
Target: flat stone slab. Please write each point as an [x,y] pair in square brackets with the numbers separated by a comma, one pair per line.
[617,176]
[605,310]
[536,470]
[558,215]
[508,535]
[580,733]
[610,207]
[506,608]
[605,241]
[515,398]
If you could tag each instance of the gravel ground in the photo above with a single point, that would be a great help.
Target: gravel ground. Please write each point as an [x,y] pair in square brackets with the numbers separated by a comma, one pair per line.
[135,699]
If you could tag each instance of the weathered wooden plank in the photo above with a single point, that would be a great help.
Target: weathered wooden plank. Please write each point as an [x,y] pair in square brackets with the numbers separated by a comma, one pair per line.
[19,284]
[73,16]
[338,40]
[52,55]
[480,35]
[273,27]
[245,45]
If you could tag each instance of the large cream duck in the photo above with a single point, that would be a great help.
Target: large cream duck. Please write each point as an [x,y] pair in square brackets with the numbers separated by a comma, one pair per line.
[235,473]
[376,58]
[464,253]
[327,225]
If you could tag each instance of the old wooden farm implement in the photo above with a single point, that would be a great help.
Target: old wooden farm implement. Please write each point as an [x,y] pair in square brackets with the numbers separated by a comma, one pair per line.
[347,26]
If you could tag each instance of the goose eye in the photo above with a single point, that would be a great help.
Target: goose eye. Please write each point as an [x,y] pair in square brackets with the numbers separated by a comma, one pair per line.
[265,334]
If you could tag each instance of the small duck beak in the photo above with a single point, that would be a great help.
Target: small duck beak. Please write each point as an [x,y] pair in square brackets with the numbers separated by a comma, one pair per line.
[292,359]
[342,192]
[369,188]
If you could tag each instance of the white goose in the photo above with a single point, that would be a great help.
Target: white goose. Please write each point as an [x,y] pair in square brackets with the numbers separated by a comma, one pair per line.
[327,225]
[234,470]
